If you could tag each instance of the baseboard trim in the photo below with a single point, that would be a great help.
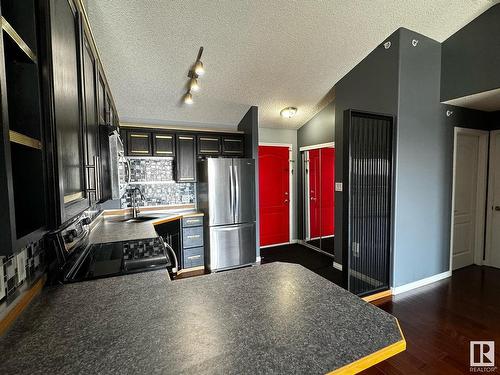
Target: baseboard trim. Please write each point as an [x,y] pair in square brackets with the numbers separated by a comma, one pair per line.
[337,266]
[420,283]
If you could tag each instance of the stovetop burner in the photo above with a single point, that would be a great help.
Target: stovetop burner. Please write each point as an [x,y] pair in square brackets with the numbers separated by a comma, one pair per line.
[119,258]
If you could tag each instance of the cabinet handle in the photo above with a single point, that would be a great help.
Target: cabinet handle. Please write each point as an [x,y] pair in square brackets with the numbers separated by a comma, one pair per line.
[164,152]
[194,257]
[186,138]
[207,151]
[163,136]
[193,236]
[232,140]
[192,221]
[140,151]
[138,135]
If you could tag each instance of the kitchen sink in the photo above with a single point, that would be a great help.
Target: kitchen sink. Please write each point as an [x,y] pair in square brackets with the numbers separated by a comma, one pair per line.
[138,219]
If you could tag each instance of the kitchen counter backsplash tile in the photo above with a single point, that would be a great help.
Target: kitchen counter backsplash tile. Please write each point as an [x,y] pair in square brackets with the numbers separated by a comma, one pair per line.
[24,267]
[151,169]
[155,178]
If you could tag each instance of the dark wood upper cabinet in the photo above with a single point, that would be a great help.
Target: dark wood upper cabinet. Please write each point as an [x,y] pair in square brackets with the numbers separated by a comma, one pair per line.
[139,143]
[163,144]
[66,31]
[233,145]
[92,125]
[101,100]
[186,158]
[208,145]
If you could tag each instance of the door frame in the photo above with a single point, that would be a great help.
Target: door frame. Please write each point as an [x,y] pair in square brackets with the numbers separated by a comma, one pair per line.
[482,170]
[290,189]
[490,200]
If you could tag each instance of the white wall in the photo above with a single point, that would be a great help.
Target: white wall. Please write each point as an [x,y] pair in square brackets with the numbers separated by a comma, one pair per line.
[288,136]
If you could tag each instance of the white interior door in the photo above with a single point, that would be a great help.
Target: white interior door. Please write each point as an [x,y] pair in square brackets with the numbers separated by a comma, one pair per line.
[465,200]
[493,216]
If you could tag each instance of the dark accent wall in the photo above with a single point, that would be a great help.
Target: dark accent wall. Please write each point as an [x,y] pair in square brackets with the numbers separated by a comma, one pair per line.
[370,86]
[424,164]
[319,129]
[471,57]
[249,125]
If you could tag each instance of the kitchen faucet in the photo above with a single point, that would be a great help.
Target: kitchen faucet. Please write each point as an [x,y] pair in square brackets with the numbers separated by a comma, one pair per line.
[135,209]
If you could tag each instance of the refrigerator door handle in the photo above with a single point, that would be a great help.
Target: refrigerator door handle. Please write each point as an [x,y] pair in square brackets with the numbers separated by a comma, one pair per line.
[231,191]
[236,194]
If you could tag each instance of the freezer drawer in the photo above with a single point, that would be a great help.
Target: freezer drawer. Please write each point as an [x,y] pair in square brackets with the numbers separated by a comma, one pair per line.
[232,246]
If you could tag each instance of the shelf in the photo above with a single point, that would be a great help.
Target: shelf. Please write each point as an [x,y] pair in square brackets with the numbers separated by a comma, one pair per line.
[24,140]
[9,30]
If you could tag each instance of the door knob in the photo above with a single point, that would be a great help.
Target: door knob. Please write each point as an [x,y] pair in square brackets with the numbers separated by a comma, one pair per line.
[286,201]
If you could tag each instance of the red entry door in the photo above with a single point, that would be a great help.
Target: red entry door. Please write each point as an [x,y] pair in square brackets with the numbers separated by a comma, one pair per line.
[274,195]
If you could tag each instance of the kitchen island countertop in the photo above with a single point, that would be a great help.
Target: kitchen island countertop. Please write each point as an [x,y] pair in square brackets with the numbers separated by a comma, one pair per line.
[274,318]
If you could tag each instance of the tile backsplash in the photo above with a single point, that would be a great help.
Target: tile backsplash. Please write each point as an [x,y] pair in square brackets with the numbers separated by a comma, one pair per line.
[155,178]
[23,267]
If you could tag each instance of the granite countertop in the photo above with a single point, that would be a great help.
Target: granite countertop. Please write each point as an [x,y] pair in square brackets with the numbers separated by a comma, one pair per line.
[113,228]
[273,318]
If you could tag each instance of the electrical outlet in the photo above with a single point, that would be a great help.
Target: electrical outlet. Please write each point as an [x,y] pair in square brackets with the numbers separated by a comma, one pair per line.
[21,266]
[2,284]
[338,186]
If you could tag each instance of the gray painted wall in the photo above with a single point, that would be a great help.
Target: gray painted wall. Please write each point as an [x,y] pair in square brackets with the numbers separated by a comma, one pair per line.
[471,57]
[319,129]
[370,86]
[288,136]
[249,124]
[424,165]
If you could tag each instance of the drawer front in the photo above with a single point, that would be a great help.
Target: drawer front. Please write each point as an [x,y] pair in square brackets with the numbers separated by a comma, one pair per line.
[192,221]
[192,237]
[193,257]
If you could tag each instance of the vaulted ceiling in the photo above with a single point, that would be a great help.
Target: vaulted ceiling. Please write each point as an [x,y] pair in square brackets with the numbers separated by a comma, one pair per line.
[269,53]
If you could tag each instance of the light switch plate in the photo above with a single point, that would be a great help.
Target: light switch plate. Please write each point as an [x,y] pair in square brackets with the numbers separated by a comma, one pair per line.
[338,186]
[2,283]
[21,266]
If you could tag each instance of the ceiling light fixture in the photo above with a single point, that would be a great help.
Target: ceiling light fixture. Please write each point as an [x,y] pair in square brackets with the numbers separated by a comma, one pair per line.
[198,65]
[194,73]
[193,85]
[188,98]
[288,112]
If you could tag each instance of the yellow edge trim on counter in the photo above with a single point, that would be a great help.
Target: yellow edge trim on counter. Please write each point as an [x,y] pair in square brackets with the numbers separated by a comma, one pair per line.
[376,296]
[13,314]
[374,358]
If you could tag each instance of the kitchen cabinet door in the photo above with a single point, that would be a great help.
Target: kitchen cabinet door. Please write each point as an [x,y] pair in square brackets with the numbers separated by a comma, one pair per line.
[163,144]
[67,82]
[101,100]
[139,143]
[186,158]
[92,125]
[208,145]
[232,145]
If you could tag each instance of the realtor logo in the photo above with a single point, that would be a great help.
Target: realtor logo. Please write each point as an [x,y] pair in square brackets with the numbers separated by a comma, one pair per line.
[482,354]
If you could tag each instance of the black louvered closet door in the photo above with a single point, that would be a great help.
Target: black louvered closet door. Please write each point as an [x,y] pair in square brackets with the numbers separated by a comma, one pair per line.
[368,201]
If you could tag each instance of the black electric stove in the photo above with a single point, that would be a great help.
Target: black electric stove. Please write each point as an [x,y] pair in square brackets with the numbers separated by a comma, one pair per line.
[74,259]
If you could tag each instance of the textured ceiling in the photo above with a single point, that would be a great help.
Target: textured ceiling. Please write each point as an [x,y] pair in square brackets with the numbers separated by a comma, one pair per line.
[271,54]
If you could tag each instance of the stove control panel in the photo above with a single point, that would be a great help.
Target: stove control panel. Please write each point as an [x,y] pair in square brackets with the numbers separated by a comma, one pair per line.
[75,232]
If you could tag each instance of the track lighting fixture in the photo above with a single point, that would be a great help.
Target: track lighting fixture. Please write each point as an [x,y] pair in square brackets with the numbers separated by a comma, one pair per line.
[193,85]
[195,72]
[188,98]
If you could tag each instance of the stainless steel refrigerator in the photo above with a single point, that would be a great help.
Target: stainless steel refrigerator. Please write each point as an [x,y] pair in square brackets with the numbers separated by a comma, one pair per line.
[226,194]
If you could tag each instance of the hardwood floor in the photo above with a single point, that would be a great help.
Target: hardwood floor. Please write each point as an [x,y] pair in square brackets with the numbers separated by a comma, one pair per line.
[440,320]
